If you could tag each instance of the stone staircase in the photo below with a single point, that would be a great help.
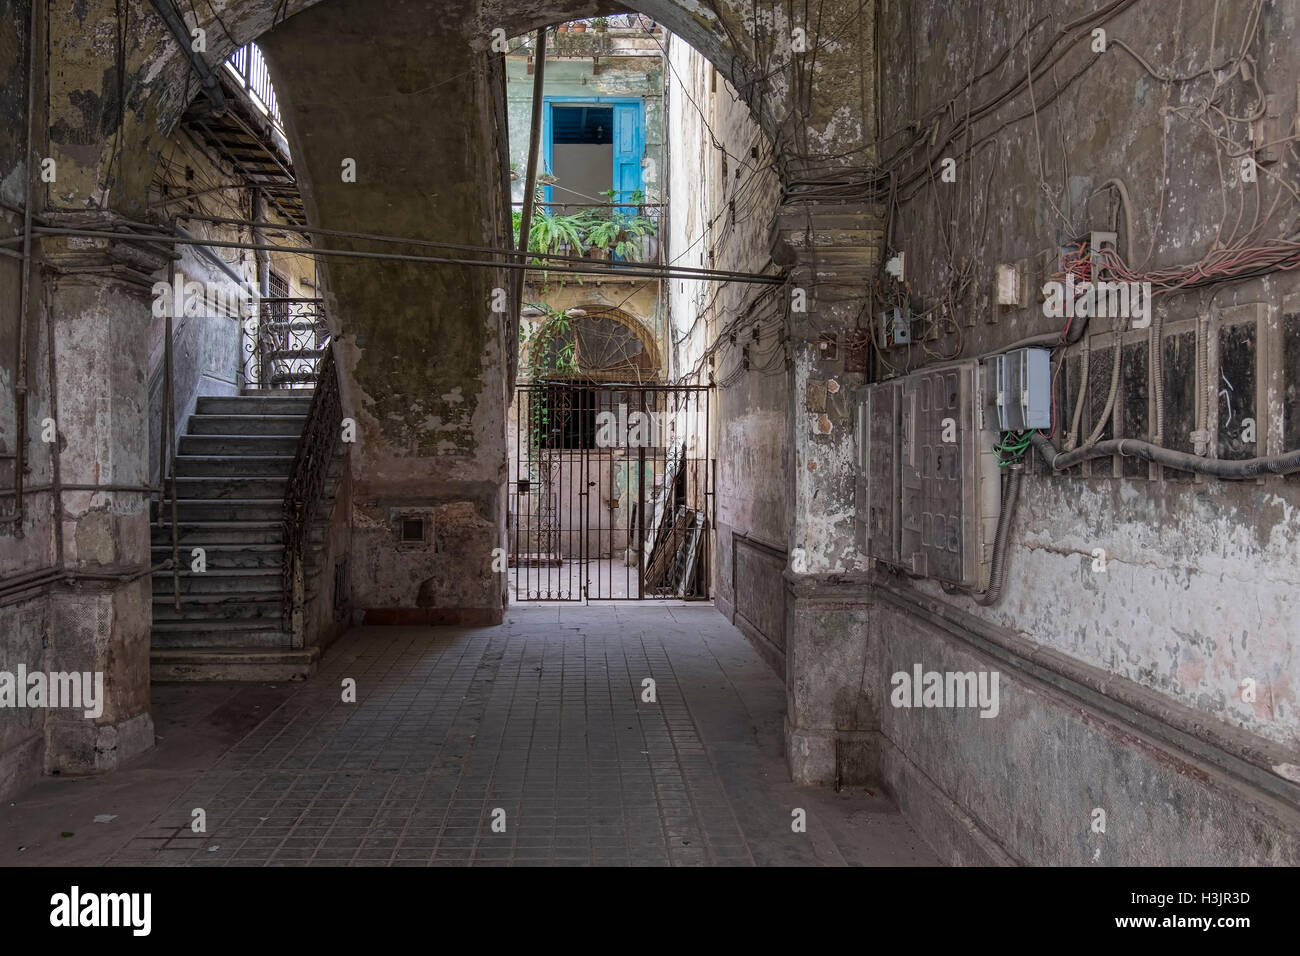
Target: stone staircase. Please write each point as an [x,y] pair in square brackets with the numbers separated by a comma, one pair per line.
[232,464]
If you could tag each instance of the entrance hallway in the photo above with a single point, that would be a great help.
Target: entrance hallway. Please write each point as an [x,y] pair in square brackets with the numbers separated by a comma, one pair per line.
[541,716]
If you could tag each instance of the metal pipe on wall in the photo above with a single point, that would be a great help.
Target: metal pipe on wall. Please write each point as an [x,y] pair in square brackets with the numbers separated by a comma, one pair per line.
[56,466]
[169,404]
[605,268]
[24,294]
[530,176]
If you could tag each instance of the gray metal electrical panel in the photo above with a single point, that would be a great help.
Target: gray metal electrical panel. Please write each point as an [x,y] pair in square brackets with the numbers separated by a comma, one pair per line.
[877,494]
[1018,389]
[929,493]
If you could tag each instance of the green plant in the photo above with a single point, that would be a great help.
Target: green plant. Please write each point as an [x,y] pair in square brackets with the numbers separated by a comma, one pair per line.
[550,343]
[618,232]
[551,347]
[602,233]
[548,232]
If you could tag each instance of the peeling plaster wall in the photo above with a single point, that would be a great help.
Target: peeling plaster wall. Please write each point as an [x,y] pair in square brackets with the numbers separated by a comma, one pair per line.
[721,201]
[24,615]
[948,769]
[1199,591]
[419,347]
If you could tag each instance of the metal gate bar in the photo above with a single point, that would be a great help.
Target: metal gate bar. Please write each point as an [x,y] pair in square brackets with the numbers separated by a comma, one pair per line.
[611,492]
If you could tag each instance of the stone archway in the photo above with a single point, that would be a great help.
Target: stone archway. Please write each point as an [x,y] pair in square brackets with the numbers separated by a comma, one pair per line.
[121,87]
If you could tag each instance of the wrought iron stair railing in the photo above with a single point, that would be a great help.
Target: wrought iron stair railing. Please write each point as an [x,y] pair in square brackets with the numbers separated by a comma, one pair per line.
[290,340]
[321,435]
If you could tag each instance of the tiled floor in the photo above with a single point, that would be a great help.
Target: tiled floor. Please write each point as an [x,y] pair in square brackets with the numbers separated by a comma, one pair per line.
[527,743]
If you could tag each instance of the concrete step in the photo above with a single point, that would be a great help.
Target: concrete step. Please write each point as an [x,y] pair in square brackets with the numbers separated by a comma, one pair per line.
[223,509]
[252,405]
[203,609]
[221,557]
[218,634]
[246,425]
[232,446]
[244,466]
[207,533]
[222,486]
[239,582]
[232,663]
[302,391]
[231,534]
[230,557]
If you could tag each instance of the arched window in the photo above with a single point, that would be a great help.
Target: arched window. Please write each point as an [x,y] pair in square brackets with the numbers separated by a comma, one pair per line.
[596,346]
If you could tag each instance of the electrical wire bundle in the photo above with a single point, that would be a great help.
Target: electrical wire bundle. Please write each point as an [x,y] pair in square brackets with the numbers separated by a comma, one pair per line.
[1011,446]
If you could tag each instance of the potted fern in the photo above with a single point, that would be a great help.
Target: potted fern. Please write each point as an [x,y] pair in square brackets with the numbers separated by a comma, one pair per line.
[558,235]
[600,235]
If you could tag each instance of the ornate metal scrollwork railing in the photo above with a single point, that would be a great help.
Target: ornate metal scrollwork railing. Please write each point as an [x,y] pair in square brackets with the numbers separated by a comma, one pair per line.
[321,435]
[291,338]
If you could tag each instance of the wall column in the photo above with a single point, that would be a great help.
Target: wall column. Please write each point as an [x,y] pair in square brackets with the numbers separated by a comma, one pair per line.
[832,691]
[98,295]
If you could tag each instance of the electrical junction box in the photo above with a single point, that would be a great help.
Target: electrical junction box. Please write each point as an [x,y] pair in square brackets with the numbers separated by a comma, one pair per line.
[1010,284]
[1088,247]
[895,327]
[1018,390]
[930,486]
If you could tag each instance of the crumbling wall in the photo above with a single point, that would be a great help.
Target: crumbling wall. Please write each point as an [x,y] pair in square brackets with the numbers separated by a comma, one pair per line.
[419,345]
[1178,585]
[27,558]
[723,190]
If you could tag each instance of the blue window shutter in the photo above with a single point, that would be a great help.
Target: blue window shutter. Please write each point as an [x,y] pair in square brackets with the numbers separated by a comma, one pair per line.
[548,149]
[629,145]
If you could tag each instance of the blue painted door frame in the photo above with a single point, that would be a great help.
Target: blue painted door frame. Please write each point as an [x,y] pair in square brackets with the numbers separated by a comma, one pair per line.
[629,139]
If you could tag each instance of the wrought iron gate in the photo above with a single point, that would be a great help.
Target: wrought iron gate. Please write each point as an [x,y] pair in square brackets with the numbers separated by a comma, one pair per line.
[611,493]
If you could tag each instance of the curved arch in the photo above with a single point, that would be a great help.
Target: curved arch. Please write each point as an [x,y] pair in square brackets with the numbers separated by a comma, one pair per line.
[600,348]
[160,85]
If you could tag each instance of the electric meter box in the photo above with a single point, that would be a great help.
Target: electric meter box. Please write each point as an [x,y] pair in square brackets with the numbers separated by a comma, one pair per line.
[1018,390]
[928,482]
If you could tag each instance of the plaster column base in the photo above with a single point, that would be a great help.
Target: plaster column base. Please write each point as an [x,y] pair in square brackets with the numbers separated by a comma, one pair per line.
[826,758]
[101,631]
[833,690]
[83,747]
